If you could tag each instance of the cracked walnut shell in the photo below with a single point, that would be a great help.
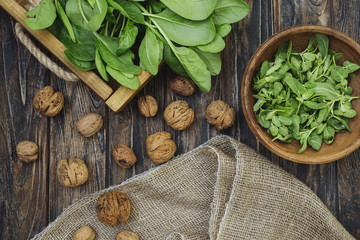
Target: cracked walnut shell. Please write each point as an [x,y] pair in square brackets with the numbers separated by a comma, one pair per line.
[113,207]
[179,115]
[148,106]
[182,85]
[84,233]
[48,101]
[124,156]
[160,147]
[220,114]
[127,235]
[27,151]
[90,124]
[72,173]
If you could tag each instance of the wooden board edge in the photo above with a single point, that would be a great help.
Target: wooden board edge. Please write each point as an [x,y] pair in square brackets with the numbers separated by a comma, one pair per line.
[123,95]
[91,79]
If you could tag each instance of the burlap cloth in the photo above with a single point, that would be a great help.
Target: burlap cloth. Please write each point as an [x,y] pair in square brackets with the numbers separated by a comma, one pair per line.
[220,190]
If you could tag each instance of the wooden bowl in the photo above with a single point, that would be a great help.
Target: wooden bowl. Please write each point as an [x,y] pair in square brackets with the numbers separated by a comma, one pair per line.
[345,142]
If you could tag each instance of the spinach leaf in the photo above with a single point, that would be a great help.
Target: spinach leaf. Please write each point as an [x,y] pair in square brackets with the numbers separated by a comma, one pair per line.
[195,67]
[151,52]
[82,65]
[132,83]
[223,29]
[123,63]
[173,62]
[128,9]
[156,6]
[99,63]
[76,15]
[65,20]
[229,11]
[212,61]
[215,46]
[111,43]
[84,48]
[185,8]
[127,37]
[99,13]
[176,27]
[42,16]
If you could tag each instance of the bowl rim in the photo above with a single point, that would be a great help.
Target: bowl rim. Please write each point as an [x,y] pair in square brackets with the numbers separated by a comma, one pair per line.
[247,109]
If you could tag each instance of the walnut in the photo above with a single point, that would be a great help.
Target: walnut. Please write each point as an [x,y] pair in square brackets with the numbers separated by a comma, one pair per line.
[90,124]
[127,235]
[48,102]
[113,207]
[27,151]
[84,233]
[72,173]
[124,156]
[179,115]
[148,106]
[220,114]
[160,147]
[182,85]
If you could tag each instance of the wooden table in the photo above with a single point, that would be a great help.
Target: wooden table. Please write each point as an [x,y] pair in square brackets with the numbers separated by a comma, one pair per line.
[31,197]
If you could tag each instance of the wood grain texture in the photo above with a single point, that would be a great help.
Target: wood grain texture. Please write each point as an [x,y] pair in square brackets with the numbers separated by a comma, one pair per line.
[346,18]
[24,187]
[65,142]
[337,184]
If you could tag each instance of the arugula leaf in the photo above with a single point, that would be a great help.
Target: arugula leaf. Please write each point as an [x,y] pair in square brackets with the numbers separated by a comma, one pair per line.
[322,43]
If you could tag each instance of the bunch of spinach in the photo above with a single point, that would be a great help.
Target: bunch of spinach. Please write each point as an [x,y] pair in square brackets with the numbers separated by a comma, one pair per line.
[304,95]
[102,35]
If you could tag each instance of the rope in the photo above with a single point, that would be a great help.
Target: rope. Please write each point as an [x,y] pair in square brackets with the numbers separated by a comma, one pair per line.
[41,57]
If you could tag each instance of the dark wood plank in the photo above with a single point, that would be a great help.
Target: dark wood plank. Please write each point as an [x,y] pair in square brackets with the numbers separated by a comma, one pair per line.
[23,191]
[346,18]
[66,142]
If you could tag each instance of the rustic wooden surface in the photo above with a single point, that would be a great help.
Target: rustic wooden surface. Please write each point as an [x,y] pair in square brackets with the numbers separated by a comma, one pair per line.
[30,196]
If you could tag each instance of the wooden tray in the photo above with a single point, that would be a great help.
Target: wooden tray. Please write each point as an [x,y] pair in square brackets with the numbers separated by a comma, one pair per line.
[115,98]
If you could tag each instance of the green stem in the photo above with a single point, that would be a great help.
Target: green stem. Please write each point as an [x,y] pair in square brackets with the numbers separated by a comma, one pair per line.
[82,11]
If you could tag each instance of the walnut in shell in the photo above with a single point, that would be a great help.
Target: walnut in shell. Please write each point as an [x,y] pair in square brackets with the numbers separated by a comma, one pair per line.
[72,173]
[113,207]
[127,235]
[84,233]
[220,114]
[148,106]
[160,147]
[179,115]
[48,101]
[124,156]
[182,85]
[90,124]
[27,151]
